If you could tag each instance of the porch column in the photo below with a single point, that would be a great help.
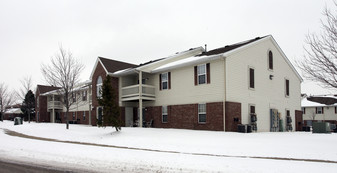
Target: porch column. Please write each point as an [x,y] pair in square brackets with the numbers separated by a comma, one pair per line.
[53,110]
[140,105]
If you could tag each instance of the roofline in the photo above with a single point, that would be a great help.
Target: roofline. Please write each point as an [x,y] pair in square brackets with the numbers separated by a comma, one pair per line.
[96,63]
[226,54]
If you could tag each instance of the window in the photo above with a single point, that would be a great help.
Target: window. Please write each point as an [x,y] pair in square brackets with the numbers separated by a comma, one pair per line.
[270,60]
[73,115]
[201,74]
[252,109]
[303,110]
[164,114]
[288,112]
[84,95]
[251,78]
[83,115]
[74,97]
[287,87]
[164,81]
[335,109]
[202,113]
[319,110]
[99,86]
[37,102]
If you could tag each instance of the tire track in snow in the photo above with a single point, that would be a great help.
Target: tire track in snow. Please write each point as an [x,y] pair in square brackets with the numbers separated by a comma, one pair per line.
[17,134]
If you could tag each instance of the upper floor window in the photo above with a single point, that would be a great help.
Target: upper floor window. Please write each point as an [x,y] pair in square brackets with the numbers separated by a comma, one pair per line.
[202,74]
[99,86]
[84,95]
[252,109]
[164,81]
[164,114]
[251,78]
[74,96]
[319,110]
[287,87]
[270,60]
[303,110]
[202,113]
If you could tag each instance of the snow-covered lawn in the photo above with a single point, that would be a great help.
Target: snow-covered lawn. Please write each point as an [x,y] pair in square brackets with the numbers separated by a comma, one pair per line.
[191,150]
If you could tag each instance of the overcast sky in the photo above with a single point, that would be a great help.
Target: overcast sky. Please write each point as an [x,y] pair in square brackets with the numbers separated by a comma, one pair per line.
[139,31]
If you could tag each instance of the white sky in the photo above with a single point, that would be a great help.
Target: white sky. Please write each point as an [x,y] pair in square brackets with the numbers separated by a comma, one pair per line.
[139,31]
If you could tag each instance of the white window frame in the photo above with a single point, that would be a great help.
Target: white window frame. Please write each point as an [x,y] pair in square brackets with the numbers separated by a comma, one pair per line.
[202,113]
[268,60]
[201,74]
[320,111]
[164,114]
[249,110]
[163,81]
[99,87]
[250,67]
[84,95]
[285,87]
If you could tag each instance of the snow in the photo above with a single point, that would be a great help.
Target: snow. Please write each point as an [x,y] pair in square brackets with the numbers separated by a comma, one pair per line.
[307,103]
[13,111]
[181,150]
[185,62]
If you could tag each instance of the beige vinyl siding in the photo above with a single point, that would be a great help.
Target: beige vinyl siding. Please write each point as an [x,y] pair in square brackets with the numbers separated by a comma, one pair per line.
[183,90]
[267,93]
[329,114]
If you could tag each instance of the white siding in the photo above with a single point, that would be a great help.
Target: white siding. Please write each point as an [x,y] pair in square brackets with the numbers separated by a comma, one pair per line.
[329,114]
[183,90]
[267,93]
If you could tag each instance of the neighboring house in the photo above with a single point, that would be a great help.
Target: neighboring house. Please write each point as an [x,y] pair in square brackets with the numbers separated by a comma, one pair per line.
[12,112]
[213,90]
[41,103]
[319,108]
[54,111]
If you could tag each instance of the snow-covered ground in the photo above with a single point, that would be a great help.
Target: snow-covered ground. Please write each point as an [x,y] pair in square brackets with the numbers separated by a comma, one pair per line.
[183,150]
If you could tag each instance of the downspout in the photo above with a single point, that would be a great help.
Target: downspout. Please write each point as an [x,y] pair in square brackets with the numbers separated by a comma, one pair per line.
[140,100]
[225,94]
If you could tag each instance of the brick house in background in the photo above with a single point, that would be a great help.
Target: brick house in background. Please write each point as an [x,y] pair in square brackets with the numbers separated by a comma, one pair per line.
[41,111]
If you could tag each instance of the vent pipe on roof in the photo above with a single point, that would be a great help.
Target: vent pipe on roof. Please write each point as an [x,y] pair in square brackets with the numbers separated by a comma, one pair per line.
[205,47]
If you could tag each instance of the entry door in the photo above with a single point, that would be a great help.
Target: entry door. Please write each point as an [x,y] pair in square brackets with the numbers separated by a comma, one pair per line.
[274,120]
[298,120]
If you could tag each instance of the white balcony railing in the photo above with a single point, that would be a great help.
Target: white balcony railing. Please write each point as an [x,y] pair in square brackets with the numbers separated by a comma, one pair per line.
[55,105]
[132,92]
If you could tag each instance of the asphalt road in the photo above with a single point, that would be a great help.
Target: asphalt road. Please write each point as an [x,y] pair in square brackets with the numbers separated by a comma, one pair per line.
[11,167]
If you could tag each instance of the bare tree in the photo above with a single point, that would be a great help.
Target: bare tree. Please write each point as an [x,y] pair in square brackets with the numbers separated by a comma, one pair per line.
[320,59]
[64,72]
[6,99]
[27,84]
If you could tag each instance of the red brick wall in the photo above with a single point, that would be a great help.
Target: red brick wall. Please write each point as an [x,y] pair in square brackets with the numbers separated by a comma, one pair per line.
[186,116]
[99,71]
[43,114]
[232,113]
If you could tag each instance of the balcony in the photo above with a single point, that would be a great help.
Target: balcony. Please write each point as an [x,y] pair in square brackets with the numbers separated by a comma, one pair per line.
[131,93]
[55,105]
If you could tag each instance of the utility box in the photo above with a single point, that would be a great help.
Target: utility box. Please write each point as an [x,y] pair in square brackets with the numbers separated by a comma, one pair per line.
[17,121]
[321,127]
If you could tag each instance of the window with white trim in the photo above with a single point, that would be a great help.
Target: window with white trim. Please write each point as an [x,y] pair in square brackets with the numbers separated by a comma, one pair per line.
[287,87]
[319,110]
[164,114]
[251,78]
[202,74]
[84,95]
[99,86]
[270,60]
[201,113]
[164,81]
